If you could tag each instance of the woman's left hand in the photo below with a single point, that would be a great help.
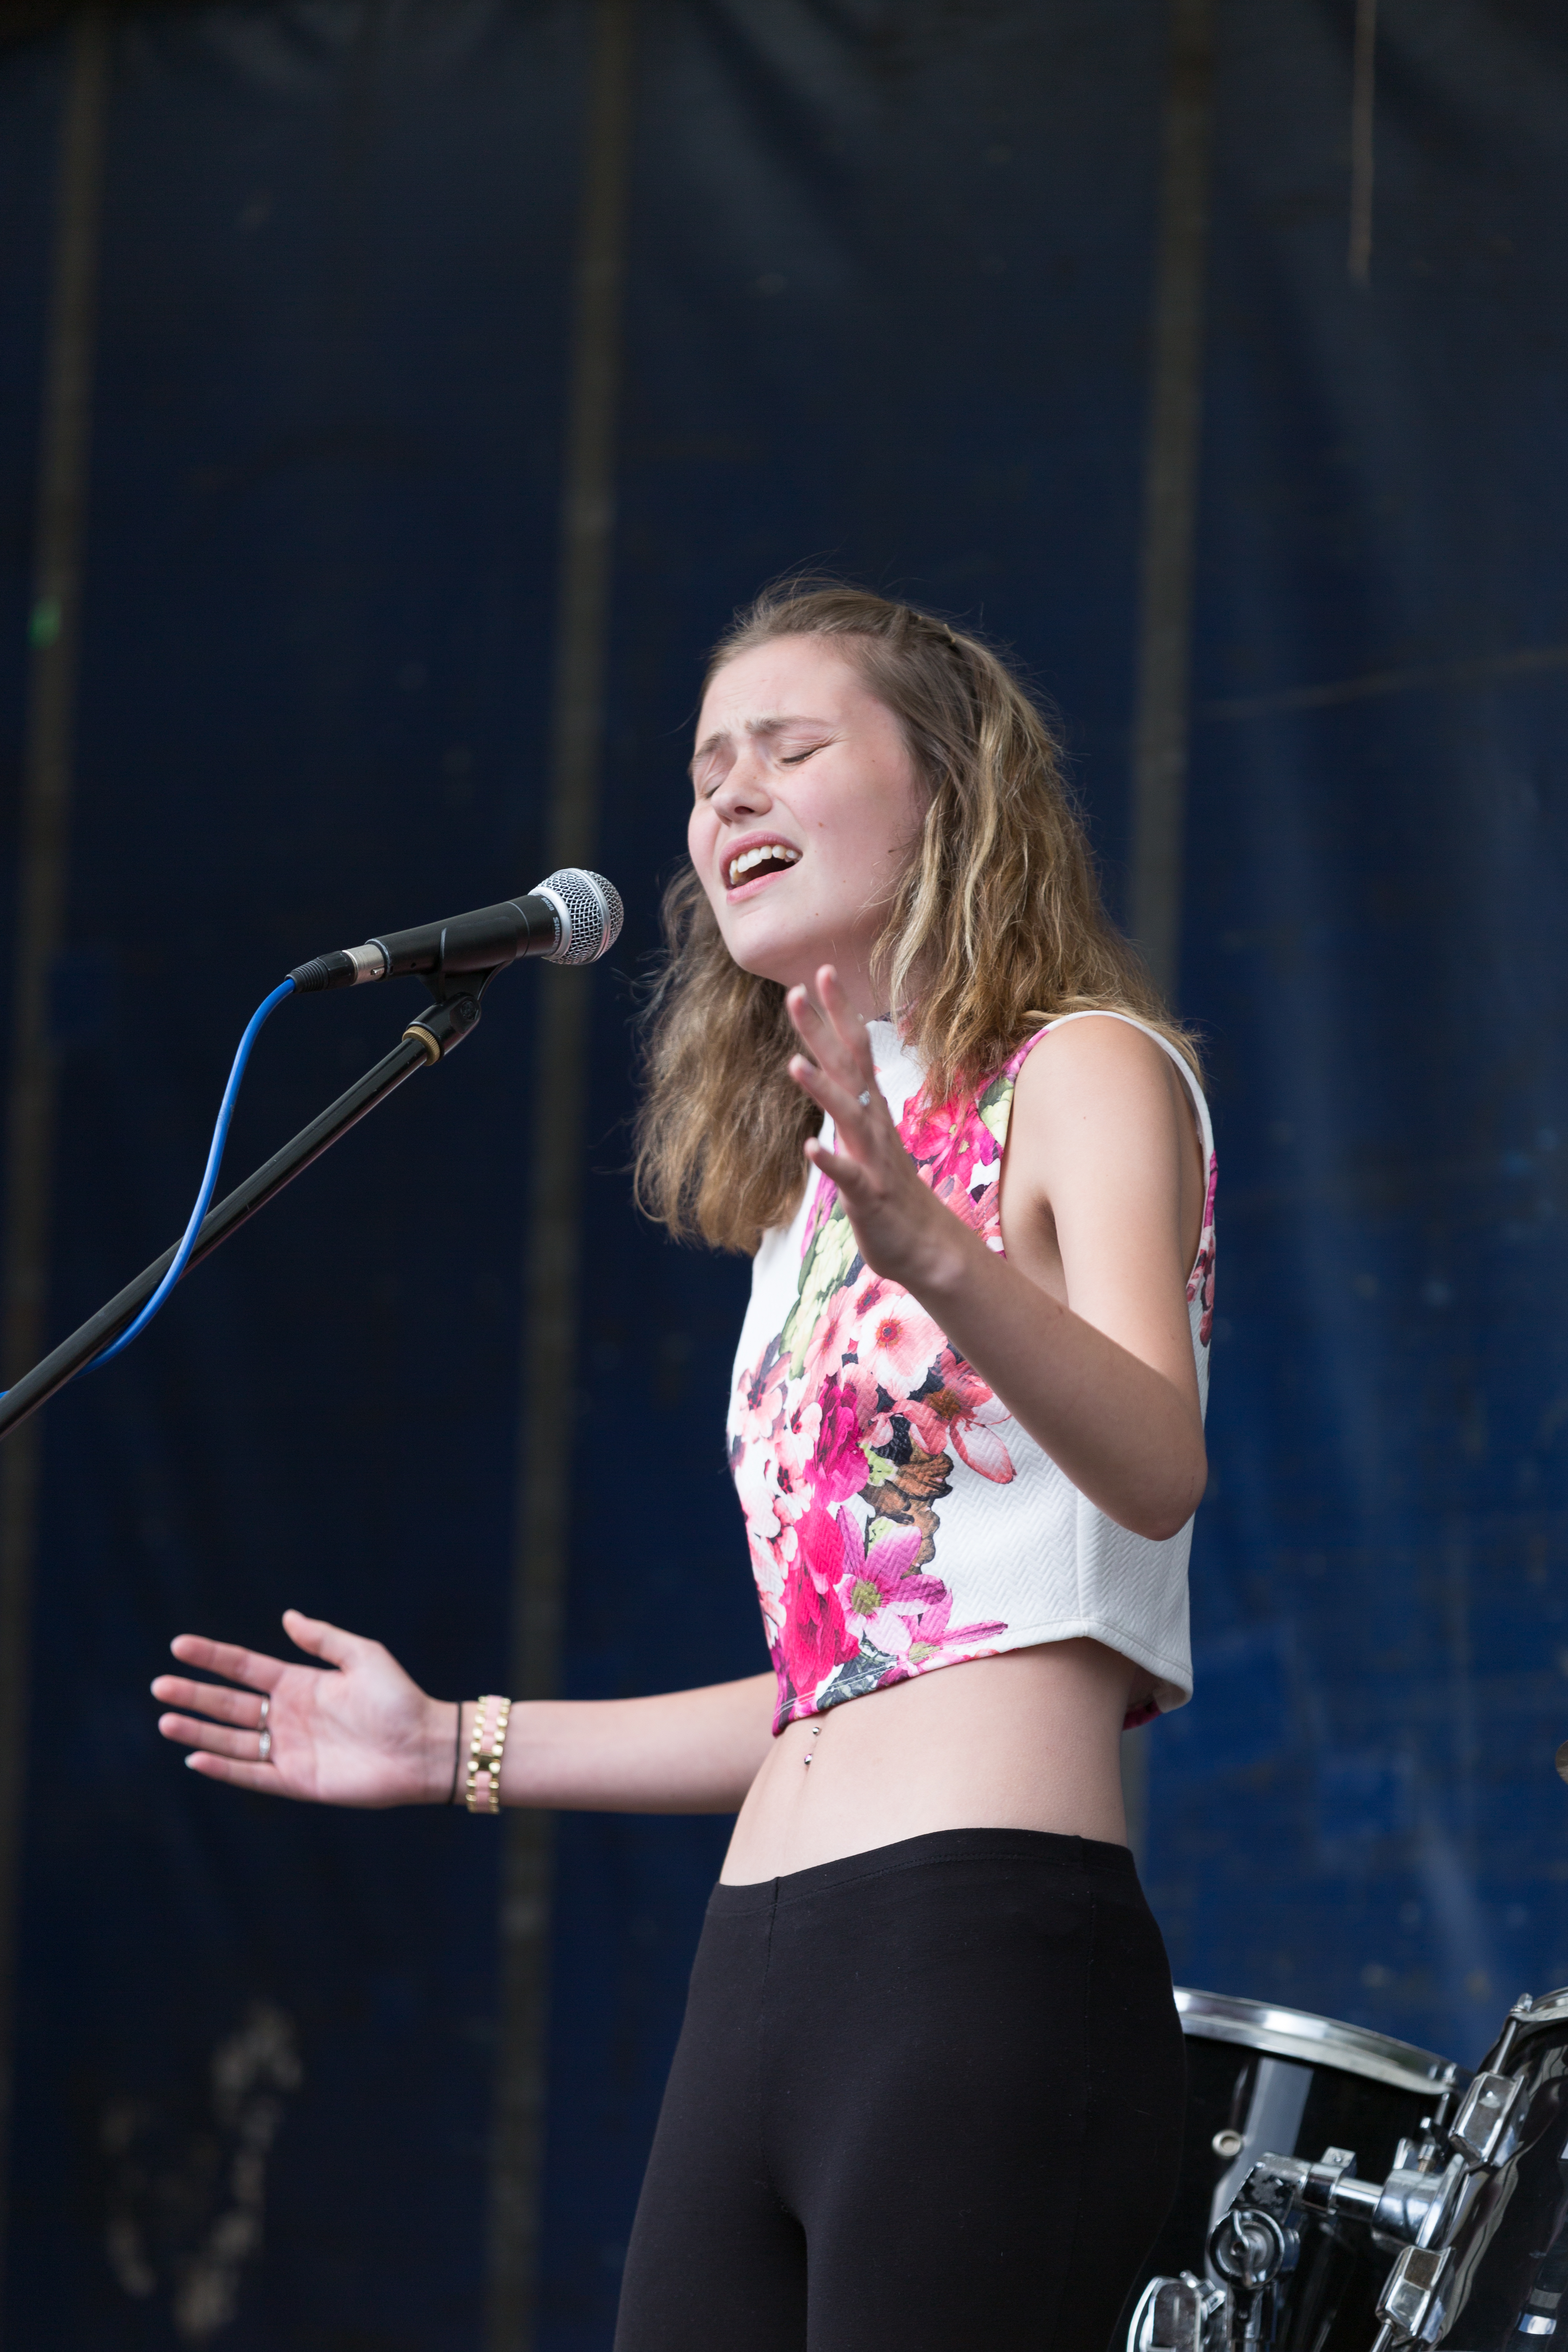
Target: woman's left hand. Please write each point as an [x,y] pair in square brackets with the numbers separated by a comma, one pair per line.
[904,1232]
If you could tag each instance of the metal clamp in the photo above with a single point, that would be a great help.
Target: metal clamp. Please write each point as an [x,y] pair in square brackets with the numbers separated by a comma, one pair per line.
[1486,2128]
[1412,2303]
[1412,2206]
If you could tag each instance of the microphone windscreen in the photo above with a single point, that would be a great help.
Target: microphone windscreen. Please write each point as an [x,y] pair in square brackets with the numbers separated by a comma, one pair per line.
[591,912]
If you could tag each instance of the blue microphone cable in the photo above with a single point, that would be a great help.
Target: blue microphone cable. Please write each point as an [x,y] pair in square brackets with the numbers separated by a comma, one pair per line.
[204,1198]
[269,1004]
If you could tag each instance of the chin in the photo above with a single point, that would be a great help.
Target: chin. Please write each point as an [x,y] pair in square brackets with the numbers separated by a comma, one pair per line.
[767,957]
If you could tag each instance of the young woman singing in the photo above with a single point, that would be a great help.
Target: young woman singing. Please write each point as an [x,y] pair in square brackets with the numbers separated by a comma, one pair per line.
[928,2093]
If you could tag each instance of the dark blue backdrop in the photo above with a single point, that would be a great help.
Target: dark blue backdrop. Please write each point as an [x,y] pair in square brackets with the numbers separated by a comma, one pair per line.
[888,292]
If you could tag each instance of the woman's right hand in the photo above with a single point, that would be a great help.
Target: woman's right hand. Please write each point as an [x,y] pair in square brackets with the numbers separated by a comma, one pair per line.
[355,1731]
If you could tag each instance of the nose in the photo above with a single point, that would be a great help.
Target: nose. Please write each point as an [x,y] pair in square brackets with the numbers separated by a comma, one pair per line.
[745,790]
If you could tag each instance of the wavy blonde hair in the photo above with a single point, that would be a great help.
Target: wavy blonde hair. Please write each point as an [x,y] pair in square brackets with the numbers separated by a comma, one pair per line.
[995,925]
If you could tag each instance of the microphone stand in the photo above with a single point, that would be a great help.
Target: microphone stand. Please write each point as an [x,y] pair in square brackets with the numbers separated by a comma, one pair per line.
[425,1041]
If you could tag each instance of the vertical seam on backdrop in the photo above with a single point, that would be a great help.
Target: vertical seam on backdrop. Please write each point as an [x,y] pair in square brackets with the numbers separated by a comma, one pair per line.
[1163,708]
[44,861]
[545,1447]
[1170,494]
[1363,94]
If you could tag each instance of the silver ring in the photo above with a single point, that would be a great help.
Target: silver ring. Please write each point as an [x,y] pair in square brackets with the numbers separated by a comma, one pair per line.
[265,1711]
[265,1739]
[865,1100]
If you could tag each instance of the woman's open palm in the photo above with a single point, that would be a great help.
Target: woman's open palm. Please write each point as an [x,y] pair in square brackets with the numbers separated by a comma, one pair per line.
[356,1730]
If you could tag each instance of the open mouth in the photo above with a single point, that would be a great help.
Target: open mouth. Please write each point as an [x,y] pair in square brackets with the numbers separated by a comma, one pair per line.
[752,865]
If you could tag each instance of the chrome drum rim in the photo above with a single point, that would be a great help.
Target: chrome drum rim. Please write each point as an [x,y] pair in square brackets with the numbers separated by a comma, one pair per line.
[1314,2041]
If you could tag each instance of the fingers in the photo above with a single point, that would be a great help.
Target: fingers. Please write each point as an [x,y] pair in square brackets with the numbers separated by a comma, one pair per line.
[235,1666]
[321,1640]
[829,1026]
[213,1738]
[855,1120]
[837,1071]
[239,1708]
[261,1778]
[850,1032]
[844,1173]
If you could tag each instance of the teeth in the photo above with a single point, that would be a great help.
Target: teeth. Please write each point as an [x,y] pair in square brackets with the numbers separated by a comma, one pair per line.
[766,853]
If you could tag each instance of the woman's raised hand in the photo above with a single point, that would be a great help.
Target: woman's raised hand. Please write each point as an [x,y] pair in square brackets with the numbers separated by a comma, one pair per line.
[353,1731]
[904,1232]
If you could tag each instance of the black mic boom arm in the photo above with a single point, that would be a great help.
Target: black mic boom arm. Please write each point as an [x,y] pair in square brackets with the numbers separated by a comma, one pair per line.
[570,916]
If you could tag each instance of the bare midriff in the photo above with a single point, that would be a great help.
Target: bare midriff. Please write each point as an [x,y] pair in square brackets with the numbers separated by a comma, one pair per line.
[1029,1740]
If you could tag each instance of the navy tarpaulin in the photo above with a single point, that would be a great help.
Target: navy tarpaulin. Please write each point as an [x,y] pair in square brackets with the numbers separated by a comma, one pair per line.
[889,283]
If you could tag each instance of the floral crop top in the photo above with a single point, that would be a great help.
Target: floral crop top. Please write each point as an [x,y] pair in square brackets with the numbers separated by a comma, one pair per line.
[898,1518]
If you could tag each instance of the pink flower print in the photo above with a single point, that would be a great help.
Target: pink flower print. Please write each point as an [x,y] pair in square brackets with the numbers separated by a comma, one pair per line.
[1206,1322]
[955,1410]
[838,1462]
[930,1635]
[897,1341]
[1200,1282]
[882,1599]
[951,1147]
[824,1351]
[903,1616]
[770,1461]
[931,1134]
[873,1416]
[814,1638]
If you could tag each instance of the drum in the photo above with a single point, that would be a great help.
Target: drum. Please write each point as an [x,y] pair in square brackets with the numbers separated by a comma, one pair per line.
[1501,2283]
[1262,2079]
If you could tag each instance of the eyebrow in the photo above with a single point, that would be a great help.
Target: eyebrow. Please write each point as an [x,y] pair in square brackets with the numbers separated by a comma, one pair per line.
[769,724]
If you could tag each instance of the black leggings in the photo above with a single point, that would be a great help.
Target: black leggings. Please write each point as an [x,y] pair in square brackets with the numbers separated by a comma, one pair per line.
[927,2099]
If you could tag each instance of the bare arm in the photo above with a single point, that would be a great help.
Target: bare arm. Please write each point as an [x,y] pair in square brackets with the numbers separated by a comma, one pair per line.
[1101,1375]
[695,1751]
[357,1730]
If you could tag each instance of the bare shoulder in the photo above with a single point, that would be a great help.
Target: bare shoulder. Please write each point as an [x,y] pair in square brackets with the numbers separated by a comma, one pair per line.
[1099,1069]
[1102,1118]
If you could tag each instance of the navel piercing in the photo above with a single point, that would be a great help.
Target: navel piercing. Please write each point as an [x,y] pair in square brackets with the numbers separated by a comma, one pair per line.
[817,1733]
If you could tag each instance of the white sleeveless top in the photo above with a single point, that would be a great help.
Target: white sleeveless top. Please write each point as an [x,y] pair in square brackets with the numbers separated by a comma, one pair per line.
[900,1520]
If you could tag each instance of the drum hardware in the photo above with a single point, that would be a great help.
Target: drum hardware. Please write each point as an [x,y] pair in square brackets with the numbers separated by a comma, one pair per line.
[1411,2304]
[1251,2249]
[1486,2129]
[1416,2212]
[1496,2279]
[1413,2206]
[1182,2315]
[1462,2241]
[1257,2244]
[1273,2244]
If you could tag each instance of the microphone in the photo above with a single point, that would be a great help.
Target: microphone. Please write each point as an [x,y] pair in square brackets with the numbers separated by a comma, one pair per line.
[571,917]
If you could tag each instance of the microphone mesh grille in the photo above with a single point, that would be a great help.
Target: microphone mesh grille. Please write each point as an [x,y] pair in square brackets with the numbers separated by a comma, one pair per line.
[594,913]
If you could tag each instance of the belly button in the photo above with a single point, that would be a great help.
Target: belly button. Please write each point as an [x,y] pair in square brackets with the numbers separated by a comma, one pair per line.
[817,1733]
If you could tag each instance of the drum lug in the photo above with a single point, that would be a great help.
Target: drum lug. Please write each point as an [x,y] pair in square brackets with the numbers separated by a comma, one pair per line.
[1411,2304]
[1180,2314]
[1486,2129]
